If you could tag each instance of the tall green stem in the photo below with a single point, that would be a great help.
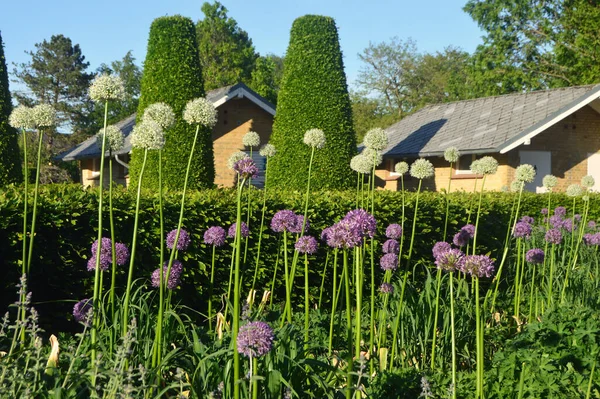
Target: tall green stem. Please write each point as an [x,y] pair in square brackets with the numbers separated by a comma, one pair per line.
[333,301]
[236,294]
[447,204]
[435,321]
[24,264]
[211,287]
[348,326]
[306,303]
[478,213]
[453,335]
[262,224]
[113,250]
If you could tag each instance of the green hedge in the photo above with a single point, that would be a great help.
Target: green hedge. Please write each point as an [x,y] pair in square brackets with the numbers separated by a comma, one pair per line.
[66,212]
[313,94]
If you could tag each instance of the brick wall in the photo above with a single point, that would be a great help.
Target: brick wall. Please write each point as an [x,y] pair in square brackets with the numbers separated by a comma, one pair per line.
[90,171]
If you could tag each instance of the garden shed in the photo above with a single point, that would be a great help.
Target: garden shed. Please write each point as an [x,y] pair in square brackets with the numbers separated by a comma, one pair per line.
[240,110]
[557,131]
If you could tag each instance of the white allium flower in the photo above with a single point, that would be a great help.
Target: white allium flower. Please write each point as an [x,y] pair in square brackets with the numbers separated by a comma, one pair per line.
[401,168]
[586,198]
[251,139]
[114,139]
[504,189]
[550,181]
[314,138]
[107,87]
[236,156]
[147,135]
[360,164]
[200,111]
[372,156]
[485,166]
[451,154]
[268,150]
[525,173]
[22,118]
[574,190]
[44,115]
[588,181]
[422,169]
[376,139]
[160,113]
[516,186]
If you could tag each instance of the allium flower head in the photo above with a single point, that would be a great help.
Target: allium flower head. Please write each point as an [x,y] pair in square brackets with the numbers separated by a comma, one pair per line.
[344,234]
[114,138]
[544,211]
[393,231]
[477,265]
[105,255]
[82,311]
[246,168]
[251,139]
[588,181]
[268,150]
[574,190]
[147,135]
[255,339]
[44,115]
[389,262]
[376,139]
[386,288]
[556,221]
[516,186]
[215,235]
[527,219]
[469,229]
[236,156]
[284,220]
[160,113]
[360,164]
[560,211]
[485,166]
[122,253]
[592,239]
[306,245]
[365,222]
[461,238]
[22,118]
[299,222]
[391,247]
[522,230]
[422,169]
[174,277]
[451,154]
[401,168]
[591,224]
[568,225]
[440,247]
[107,87]
[372,157]
[314,138]
[553,236]
[182,243]
[550,181]
[525,173]
[535,256]
[450,260]
[200,111]
[244,231]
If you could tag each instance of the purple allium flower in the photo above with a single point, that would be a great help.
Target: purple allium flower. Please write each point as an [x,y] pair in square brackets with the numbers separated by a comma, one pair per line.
[389,262]
[215,235]
[393,231]
[306,245]
[577,217]
[461,238]
[325,234]
[255,339]
[243,230]
[182,243]
[477,265]
[469,229]
[174,277]
[440,247]
[386,288]
[560,211]
[591,224]
[535,256]
[122,253]
[391,247]
[544,211]
[344,234]
[553,236]
[527,219]
[522,230]
[450,260]
[556,221]
[284,220]
[91,264]
[246,168]
[364,220]
[82,311]
[105,255]
[298,227]
[591,239]
[568,225]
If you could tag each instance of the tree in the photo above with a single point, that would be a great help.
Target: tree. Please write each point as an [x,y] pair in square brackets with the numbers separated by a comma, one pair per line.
[10,162]
[173,75]
[313,94]
[536,44]
[226,52]
[369,113]
[266,77]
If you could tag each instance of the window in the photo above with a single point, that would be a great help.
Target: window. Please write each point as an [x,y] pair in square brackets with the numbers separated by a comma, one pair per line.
[463,166]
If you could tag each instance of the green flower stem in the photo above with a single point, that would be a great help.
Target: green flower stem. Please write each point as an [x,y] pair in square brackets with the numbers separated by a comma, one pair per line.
[447,204]
[306,303]
[478,214]
[358,176]
[288,299]
[479,343]
[275,272]
[532,289]
[453,335]
[75,357]
[516,289]
[113,276]
[348,326]
[248,200]
[333,301]
[211,287]
[396,324]
[323,278]
[470,211]
[435,321]
[262,224]
[35,199]
[236,293]
[358,292]
[414,226]
[372,310]
[24,264]
[549,292]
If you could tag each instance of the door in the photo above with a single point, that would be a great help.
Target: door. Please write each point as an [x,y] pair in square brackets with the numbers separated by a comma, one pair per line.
[541,161]
[593,169]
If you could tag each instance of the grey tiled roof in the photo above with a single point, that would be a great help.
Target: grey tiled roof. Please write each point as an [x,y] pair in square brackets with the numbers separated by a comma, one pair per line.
[483,125]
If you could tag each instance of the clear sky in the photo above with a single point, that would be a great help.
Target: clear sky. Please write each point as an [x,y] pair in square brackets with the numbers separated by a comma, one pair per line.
[106,30]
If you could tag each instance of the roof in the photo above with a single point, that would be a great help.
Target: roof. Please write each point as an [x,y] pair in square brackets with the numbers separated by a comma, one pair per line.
[89,148]
[486,125]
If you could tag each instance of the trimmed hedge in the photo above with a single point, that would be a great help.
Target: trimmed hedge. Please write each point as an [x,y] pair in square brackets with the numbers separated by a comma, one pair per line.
[173,75]
[313,94]
[64,237]
[10,156]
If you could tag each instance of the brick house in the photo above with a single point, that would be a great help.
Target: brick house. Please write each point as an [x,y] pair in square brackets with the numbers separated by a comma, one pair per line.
[557,131]
[240,110]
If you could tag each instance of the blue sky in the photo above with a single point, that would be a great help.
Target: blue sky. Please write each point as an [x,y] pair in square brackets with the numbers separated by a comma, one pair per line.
[107,30]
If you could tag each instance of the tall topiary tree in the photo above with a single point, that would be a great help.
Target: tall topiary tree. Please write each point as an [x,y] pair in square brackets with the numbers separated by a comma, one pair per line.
[313,94]
[173,75]
[10,159]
